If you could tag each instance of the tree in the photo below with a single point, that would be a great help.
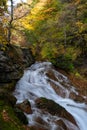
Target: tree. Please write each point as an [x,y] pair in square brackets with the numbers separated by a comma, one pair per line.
[10,22]
[3,21]
[15,15]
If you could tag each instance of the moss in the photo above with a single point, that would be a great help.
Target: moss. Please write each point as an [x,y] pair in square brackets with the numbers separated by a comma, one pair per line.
[21,116]
[9,86]
[44,100]
[13,122]
[77,74]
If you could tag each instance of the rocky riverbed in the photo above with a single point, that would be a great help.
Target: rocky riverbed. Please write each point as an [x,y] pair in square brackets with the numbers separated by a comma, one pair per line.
[13,61]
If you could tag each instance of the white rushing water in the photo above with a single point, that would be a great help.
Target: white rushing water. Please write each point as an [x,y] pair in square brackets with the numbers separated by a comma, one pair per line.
[35,83]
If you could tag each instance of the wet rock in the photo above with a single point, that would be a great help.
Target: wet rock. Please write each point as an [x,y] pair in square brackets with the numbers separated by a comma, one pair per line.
[25,107]
[77,98]
[60,91]
[51,75]
[36,128]
[59,88]
[54,109]
[61,124]
[41,121]
[21,116]
[66,125]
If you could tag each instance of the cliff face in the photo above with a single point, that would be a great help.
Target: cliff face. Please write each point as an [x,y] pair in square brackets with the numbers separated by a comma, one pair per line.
[13,60]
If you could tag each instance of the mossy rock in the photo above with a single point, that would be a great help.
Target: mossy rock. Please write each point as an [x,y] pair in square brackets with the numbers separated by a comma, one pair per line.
[23,119]
[53,108]
[25,106]
[49,105]
[8,119]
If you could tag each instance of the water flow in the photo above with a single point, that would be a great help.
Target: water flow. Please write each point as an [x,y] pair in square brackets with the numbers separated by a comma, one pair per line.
[36,83]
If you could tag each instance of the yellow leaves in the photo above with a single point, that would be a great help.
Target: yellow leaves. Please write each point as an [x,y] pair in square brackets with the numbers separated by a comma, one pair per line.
[38,7]
[79,23]
[74,52]
[2,38]
[77,2]
[30,21]
[80,26]
[3,34]
[48,10]
[77,75]
[27,25]
[3,23]
[48,51]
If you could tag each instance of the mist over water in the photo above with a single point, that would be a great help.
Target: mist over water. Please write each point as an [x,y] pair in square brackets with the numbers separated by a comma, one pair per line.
[35,83]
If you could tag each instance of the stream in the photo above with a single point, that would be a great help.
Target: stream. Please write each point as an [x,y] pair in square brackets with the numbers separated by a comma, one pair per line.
[37,83]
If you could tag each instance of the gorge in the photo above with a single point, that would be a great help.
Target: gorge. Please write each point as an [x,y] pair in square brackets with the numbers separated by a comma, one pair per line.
[49,93]
[43,65]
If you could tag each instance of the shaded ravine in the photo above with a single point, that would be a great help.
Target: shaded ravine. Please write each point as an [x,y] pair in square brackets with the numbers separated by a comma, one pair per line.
[36,83]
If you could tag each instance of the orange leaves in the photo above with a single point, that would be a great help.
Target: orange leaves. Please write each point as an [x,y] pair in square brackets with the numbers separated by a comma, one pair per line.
[77,2]
[49,10]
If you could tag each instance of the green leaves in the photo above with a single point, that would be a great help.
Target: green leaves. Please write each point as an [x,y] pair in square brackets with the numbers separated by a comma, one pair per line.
[64,62]
[57,28]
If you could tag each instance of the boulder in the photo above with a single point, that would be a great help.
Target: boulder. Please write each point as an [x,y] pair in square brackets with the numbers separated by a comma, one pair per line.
[54,109]
[61,124]
[13,60]
[50,74]
[41,121]
[59,90]
[21,116]
[25,106]
[64,125]
[77,98]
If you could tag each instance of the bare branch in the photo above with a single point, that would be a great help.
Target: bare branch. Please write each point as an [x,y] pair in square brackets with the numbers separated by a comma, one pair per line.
[22,15]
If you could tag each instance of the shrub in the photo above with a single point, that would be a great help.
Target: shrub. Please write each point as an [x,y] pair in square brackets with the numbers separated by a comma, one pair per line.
[63,62]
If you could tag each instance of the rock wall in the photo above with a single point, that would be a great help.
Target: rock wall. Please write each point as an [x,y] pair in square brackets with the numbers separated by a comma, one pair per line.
[13,60]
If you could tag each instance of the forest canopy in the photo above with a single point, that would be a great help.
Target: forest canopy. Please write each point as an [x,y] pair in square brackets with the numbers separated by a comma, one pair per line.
[53,29]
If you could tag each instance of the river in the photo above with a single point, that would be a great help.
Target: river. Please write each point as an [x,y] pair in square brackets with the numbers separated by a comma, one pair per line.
[35,83]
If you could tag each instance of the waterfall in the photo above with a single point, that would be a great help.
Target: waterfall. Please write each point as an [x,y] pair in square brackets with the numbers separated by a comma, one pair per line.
[36,83]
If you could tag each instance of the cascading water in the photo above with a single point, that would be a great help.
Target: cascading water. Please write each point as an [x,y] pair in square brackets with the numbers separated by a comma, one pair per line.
[36,83]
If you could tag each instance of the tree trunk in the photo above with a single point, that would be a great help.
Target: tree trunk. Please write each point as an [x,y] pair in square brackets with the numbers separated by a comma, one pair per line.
[10,23]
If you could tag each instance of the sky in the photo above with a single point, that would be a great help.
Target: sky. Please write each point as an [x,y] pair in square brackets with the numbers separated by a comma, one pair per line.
[16,1]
